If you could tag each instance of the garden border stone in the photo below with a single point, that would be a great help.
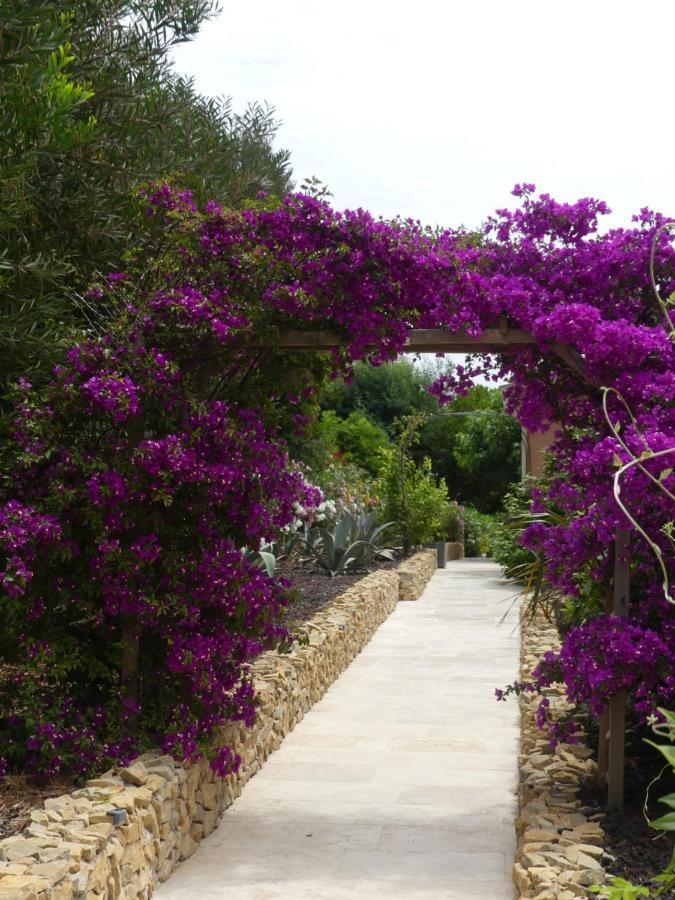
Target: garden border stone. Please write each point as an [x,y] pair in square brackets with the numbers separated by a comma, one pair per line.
[454,550]
[559,841]
[130,827]
[414,573]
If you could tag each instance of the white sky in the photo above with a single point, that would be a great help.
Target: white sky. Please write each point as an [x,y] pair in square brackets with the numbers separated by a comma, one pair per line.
[435,109]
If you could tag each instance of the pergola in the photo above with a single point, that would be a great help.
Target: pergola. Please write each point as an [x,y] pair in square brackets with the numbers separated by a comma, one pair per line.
[431,340]
[611,750]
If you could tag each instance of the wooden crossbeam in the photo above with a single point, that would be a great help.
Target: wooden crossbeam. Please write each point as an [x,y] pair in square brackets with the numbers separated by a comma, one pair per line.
[421,340]
[429,340]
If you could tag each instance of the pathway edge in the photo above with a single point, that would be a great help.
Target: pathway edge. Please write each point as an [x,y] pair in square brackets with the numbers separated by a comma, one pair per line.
[559,841]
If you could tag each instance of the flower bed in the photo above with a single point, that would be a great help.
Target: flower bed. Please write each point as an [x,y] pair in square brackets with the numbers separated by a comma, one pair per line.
[560,843]
[76,847]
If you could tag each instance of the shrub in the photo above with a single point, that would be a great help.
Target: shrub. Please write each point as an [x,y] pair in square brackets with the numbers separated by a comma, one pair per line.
[414,499]
[347,487]
[155,438]
[130,614]
[455,526]
[91,108]
[360,441]
[479,532]
[506,547]
[355,540]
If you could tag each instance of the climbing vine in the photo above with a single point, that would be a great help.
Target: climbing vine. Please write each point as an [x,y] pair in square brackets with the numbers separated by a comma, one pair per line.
[129,615]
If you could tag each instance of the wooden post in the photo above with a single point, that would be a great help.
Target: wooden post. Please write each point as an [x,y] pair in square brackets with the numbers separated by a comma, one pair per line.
[617,749]
[617,704]
[603,748]
[603,725]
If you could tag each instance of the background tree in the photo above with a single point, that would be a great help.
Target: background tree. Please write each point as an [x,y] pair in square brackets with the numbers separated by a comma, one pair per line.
[89,110]
[477,456]
[383,393]
[355,439]
[477,448]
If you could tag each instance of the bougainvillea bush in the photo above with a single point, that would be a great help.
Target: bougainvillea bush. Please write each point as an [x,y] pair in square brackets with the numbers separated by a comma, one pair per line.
[129,615]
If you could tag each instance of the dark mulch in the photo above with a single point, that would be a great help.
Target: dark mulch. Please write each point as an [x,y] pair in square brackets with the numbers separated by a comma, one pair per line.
[640,852]
[311,590]
[20,794]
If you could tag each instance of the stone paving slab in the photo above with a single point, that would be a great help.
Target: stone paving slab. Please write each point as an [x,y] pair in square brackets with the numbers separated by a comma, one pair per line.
[401,781]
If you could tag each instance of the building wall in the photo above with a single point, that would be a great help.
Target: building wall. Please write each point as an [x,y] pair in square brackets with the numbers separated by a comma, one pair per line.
[534,445]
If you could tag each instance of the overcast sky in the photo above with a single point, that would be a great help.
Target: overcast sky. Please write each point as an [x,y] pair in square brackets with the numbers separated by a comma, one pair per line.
[434,109]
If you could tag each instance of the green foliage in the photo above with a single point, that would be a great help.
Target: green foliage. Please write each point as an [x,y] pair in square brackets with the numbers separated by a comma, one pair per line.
[666,729]
[479,532]
[506,548]
[383,393]
[455,527]
[525,566]
[346,487]
[356,439]
[663,884]
[471,443]
[267,558]
[368,531]
[620,889]
[89,110]
[487,452]
[353,540]
[414,498]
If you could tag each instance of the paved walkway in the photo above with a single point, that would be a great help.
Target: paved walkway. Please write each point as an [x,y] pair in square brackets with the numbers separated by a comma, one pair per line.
[400,782]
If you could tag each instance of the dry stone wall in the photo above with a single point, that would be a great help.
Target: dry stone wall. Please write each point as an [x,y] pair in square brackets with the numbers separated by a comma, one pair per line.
[414,573]
[455,550]
[560,843]
[129,828]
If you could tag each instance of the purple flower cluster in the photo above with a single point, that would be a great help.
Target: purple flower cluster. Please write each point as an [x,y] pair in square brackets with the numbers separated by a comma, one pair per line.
[114,393]
[154,455]
[24,532]
[611,654]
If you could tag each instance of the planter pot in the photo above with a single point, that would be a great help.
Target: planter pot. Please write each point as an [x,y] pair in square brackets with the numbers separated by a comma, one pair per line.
[441,554]
[446,551]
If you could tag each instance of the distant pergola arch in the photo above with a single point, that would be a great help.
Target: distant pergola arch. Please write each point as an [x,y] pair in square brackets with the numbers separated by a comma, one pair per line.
[611,752]
[442,340]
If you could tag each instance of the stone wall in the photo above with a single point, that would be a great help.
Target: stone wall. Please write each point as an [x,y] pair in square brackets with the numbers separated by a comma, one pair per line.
[454,550]
[129,828]
[413,574]
[560,844]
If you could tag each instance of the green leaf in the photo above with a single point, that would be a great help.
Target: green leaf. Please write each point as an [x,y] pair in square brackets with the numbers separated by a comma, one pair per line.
[665,750]
[664,823]
[669,800]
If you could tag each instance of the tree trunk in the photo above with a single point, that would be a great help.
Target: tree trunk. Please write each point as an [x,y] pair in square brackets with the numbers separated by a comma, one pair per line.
[130,673]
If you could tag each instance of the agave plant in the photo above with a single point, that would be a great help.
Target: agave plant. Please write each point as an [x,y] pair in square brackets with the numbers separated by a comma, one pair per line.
[333,550]
[365,529]
[351,541]
[265,558]
[272,553]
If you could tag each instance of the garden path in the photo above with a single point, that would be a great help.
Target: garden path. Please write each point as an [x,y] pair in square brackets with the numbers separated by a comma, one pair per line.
[401,781]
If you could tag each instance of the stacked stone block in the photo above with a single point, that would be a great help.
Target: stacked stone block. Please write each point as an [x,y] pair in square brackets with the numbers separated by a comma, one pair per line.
[414,573]
[560,843]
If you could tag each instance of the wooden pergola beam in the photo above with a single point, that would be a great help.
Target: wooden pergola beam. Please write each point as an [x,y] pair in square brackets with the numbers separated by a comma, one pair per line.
[427,340]
[421,340]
